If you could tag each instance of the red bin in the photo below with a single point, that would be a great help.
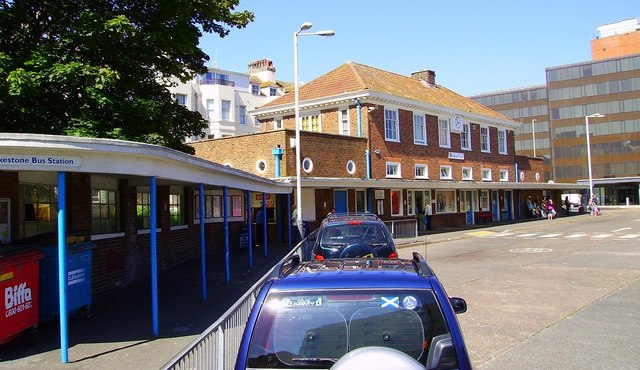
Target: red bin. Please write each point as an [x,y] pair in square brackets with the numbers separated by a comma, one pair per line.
[19,290]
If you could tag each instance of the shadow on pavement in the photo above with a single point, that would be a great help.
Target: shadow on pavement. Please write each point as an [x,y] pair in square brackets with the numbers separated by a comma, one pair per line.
[122,319]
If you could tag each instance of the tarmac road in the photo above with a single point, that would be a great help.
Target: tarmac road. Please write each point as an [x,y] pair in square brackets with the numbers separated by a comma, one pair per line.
[561,294]
[587,318]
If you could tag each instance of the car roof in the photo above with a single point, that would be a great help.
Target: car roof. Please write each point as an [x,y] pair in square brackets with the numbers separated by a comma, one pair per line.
[345,217]
[353,273]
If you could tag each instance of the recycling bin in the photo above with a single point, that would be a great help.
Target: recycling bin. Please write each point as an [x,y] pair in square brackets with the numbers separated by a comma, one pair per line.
[78,265]
[19,287]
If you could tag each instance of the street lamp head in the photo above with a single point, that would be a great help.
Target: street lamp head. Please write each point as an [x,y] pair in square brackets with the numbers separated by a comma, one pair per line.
[326,33]
[596,115]
[305,26]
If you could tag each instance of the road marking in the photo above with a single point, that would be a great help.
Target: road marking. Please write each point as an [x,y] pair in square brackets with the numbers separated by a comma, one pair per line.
[481,233]
[629,236]
[530,250]
[526,235]
[575,236]
[504,234]
[621,229]
[550,235]
[601,236]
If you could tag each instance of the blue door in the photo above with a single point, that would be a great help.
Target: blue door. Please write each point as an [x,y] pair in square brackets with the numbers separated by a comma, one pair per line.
[340,201]
[507,204]
[495,206]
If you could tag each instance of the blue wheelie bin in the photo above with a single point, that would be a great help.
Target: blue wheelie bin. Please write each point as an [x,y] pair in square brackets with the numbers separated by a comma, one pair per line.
[78,264]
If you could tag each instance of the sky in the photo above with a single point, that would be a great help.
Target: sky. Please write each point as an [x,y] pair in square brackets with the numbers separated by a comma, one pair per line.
[474,47]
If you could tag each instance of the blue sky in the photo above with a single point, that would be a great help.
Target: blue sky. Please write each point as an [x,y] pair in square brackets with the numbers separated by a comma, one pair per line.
[473,46]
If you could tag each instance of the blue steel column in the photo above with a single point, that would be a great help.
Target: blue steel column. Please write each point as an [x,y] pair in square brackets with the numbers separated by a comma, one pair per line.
[249,229]
[62,268]
[225,210]
[289,219]
[154,256]
[264,224]
[203,267]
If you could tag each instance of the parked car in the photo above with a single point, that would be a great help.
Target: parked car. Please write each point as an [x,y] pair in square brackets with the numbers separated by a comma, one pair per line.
[349,235]
[310,315]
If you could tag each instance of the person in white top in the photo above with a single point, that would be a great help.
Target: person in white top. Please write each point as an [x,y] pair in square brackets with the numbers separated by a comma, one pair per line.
[427,215]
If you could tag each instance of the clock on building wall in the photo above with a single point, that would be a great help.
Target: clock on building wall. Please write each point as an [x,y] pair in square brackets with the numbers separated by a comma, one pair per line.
[457,124]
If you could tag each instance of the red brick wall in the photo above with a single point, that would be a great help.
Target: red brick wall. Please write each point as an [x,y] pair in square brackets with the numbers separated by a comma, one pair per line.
[408,154]
[329,152]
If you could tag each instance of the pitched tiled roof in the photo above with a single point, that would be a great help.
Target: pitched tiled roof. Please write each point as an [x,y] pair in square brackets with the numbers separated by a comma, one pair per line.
[353,77]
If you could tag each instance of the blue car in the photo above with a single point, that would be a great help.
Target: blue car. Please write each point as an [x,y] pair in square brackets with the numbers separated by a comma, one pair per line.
[349,235]
[319,314]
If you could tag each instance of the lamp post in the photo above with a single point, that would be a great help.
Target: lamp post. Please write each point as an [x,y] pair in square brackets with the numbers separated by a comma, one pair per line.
[533,131]
[586,123]
[305,26]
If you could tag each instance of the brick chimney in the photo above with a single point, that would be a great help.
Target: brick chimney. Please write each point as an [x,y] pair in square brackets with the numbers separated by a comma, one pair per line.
[263,69]
[425,75]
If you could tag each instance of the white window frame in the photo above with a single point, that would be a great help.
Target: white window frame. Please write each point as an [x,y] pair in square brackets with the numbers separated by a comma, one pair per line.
[444,133]
[307,165]
[419,129]
[396,173]
[181,99]
[484,200]
[502,141]
[422,168]
[391,126]
[486,174]
[465,136]
[277,123]
[225,110]
[351,167]
[210,106]
[258,169]
[485,139]
[446,173]
[504,175]
[345,125]
[242,114]
[467,173]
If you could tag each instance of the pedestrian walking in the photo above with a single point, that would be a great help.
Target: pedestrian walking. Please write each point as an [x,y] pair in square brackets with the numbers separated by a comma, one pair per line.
[427,215]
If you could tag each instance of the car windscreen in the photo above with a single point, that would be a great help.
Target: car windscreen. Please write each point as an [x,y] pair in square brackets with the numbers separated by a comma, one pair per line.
[310,330]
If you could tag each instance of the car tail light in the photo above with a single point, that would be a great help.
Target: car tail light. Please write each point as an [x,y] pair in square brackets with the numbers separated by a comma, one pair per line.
[319,257]
[393,255]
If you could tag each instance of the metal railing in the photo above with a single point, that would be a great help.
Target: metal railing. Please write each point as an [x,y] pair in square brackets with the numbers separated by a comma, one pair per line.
[217,347]
[403,228]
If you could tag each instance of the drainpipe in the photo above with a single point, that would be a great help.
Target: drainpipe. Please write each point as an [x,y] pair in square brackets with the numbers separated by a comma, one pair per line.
[367,157]
[277,154]
[358,107]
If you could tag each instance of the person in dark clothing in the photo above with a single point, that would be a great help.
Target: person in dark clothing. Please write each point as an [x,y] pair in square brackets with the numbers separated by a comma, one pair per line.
[567,205]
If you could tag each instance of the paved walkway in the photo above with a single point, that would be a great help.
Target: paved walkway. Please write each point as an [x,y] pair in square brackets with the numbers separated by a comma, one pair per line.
[119,333]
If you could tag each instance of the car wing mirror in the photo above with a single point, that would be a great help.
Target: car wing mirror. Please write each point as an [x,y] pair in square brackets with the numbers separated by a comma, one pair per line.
[459,305]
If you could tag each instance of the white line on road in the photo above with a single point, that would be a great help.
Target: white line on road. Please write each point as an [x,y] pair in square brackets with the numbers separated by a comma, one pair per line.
[601,236]
[575,236]
[550,235]
[629,236]
[526,235]
[621,229]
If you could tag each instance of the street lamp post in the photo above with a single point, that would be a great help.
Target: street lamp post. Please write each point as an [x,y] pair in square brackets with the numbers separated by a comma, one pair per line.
[305,26]
[533,131]
[586,123]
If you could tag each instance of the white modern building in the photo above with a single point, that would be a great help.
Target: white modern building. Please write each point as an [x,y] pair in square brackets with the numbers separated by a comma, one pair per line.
[225,98]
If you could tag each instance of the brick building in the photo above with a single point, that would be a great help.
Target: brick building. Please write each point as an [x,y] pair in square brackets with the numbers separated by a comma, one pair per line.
[377,141]
[109,187]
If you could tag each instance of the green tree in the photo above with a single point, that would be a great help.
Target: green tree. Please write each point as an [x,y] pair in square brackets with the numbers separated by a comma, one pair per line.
[101,68]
